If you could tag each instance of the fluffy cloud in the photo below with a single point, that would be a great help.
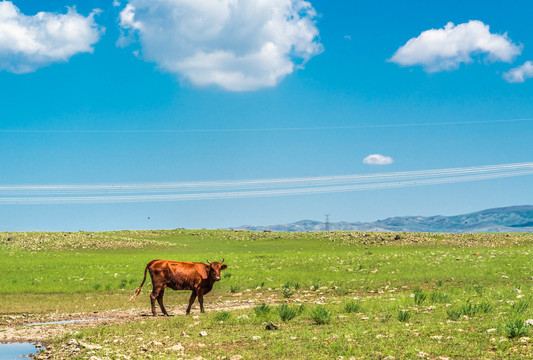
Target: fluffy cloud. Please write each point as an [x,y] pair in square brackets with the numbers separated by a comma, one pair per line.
[30,42]
[238,45]
[447,48]
[377,159]
[520,74]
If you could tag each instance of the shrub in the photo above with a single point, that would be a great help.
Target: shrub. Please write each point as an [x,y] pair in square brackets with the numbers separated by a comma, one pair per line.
[352,306]
[403,315]
[341,291]
[515,328]
[438,297]
[296,286]
[262,310]
[520,306]
[420,297]
[468,309]
[123,284]
[484,307]
[222,316]
[478,289]
[453,314]
[320,315]
[286,292]
[386,317]
[286,313]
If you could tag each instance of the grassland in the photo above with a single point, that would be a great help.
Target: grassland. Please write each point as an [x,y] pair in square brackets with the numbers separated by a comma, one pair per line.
[350,294]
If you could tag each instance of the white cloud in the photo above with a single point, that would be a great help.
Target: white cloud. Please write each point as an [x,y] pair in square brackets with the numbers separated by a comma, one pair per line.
[519,74]
[447,48]
[377,159]
[30,42]
[116,3]
[238,45]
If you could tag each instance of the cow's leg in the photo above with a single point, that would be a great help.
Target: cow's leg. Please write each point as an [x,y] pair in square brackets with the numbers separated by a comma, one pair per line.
[191,300]
[160,301]
[153,297]
[201,300]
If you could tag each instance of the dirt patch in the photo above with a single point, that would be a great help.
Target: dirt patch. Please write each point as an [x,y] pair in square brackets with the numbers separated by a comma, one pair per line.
[30,328]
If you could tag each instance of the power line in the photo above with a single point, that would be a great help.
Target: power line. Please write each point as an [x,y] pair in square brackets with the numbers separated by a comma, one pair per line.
[311,128]
[62,194]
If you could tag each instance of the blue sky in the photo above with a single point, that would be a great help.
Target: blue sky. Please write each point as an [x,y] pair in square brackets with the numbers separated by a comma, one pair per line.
[68,112]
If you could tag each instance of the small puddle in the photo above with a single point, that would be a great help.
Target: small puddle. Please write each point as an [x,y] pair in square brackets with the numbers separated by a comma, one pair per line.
[17,350]
[59,322]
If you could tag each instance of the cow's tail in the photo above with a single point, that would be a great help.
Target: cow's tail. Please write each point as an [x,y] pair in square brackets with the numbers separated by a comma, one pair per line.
[138,291]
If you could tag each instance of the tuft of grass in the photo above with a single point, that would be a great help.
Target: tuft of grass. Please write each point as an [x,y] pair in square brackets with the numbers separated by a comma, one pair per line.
[320,315]
[222,316]
[438,297]
[439,283]
[262,310]
[515,328]
[234,288]
[468,309]
[341,291]
[520,307]
[453,314]
[478,289]
[352,306]
[484,307]
[286,292]
[403,315]
[420,296]
[286,313]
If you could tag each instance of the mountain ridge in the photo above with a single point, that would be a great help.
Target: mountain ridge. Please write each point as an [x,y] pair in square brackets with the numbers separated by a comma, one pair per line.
[518,218]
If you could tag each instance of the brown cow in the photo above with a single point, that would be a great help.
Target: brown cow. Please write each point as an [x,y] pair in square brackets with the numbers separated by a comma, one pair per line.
[180,275]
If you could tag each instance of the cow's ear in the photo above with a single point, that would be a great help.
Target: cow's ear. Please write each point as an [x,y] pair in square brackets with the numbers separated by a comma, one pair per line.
[223,267]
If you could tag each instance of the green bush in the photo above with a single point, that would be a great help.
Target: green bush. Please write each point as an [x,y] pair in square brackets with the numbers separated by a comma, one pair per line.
[520,306]
[515,328]
[352,306]
[438,297]
[286,313]
[262,310]
[468,309]
[320,315]
[403,315]
[420,297]
[453,314]
[286,292]
[222,316]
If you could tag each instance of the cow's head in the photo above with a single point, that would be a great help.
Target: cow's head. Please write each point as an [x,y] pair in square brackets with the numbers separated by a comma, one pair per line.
[215,268]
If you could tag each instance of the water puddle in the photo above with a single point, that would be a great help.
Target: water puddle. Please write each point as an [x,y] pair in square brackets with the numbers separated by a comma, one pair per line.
[17,350]
[59,322]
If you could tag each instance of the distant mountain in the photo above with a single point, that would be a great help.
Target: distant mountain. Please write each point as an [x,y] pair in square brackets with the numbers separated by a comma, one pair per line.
[506,219]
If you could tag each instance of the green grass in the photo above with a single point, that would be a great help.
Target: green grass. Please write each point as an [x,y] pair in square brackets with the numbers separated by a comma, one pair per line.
[364,295]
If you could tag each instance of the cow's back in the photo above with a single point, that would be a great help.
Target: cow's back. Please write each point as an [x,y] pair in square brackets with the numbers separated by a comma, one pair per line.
[178,275]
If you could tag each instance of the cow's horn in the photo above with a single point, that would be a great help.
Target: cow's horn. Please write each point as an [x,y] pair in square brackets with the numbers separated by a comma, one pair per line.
[222,262]
[208,261]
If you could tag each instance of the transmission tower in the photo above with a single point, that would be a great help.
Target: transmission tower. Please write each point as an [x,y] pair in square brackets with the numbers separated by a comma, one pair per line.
[326,224]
